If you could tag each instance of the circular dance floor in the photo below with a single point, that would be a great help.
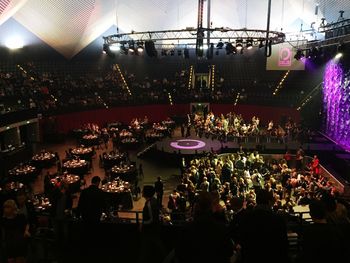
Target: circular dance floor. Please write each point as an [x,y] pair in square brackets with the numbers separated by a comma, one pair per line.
[187,144]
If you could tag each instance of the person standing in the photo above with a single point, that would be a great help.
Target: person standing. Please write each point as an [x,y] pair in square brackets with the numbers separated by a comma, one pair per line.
[92,202]
[183,130]
[14,233]
[159,188]
[152,249]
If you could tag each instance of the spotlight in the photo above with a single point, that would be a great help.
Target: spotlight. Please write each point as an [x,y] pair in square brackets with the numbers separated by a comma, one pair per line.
[114,47]
[249,44]
[139,47]
[220,45]
[131,46]
[123,50]
[14,42]
[239,44]
[299,54]
[230,49]
[261,44]
[340,51]
[107,50]
[339,55]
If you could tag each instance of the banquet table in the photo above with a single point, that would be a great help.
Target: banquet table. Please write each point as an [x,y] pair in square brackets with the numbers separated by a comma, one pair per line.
[72,181]
[118,194]
[76,167]
[125,172]
[90,140]
[43,160]
[84,153]
[129,143]
[41,204]
[23,173]
[110,160]
[14,187]
[125,134]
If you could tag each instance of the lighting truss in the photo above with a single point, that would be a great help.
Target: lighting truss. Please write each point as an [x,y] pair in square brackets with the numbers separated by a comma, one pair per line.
[335,27]
[190,35]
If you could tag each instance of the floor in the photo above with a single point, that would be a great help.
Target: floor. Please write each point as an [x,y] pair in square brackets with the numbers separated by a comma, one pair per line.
[151,168]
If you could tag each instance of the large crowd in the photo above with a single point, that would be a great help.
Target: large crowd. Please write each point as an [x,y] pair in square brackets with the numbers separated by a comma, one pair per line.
[234,126]
[28,86]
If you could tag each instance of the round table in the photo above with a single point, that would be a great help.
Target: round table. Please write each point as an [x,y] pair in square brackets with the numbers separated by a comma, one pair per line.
[77,167]
[41,204]
[23,173]
[90,140]
[118,193]
[129,142]
[43,160]
[110,160]
[84,153]
[125,172]
[125,134]
[72,181]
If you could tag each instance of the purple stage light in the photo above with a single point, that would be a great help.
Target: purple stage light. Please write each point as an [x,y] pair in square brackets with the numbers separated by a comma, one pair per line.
[336,101]
[187,144]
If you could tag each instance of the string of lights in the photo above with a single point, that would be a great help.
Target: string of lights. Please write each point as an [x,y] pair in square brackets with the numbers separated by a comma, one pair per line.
[124,83]
[280,85]
[212,77]
[170,99]
[237,98]
[190,78]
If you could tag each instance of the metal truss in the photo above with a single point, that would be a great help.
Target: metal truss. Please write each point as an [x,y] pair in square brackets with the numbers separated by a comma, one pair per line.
[222,34]
[325,43]
[334,26]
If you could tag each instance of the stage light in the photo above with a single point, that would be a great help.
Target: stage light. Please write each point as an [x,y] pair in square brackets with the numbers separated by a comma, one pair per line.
[299,54]
[107,50]
[261,44]
[114,47]
[220,45]
[340,51]
[230,49]
[339,55]
[139,47]
[239,44]
[249,44]
[123,50]
[131,47]
[14,42]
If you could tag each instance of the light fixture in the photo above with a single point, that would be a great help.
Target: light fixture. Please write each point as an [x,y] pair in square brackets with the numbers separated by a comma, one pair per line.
[123,50]
[299,54]
[239,44]
[220,44]
[131,47]
[261,43]
[339,55]
[249,44]
[14,42]
[230,49]
[139,47]
[114,47]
